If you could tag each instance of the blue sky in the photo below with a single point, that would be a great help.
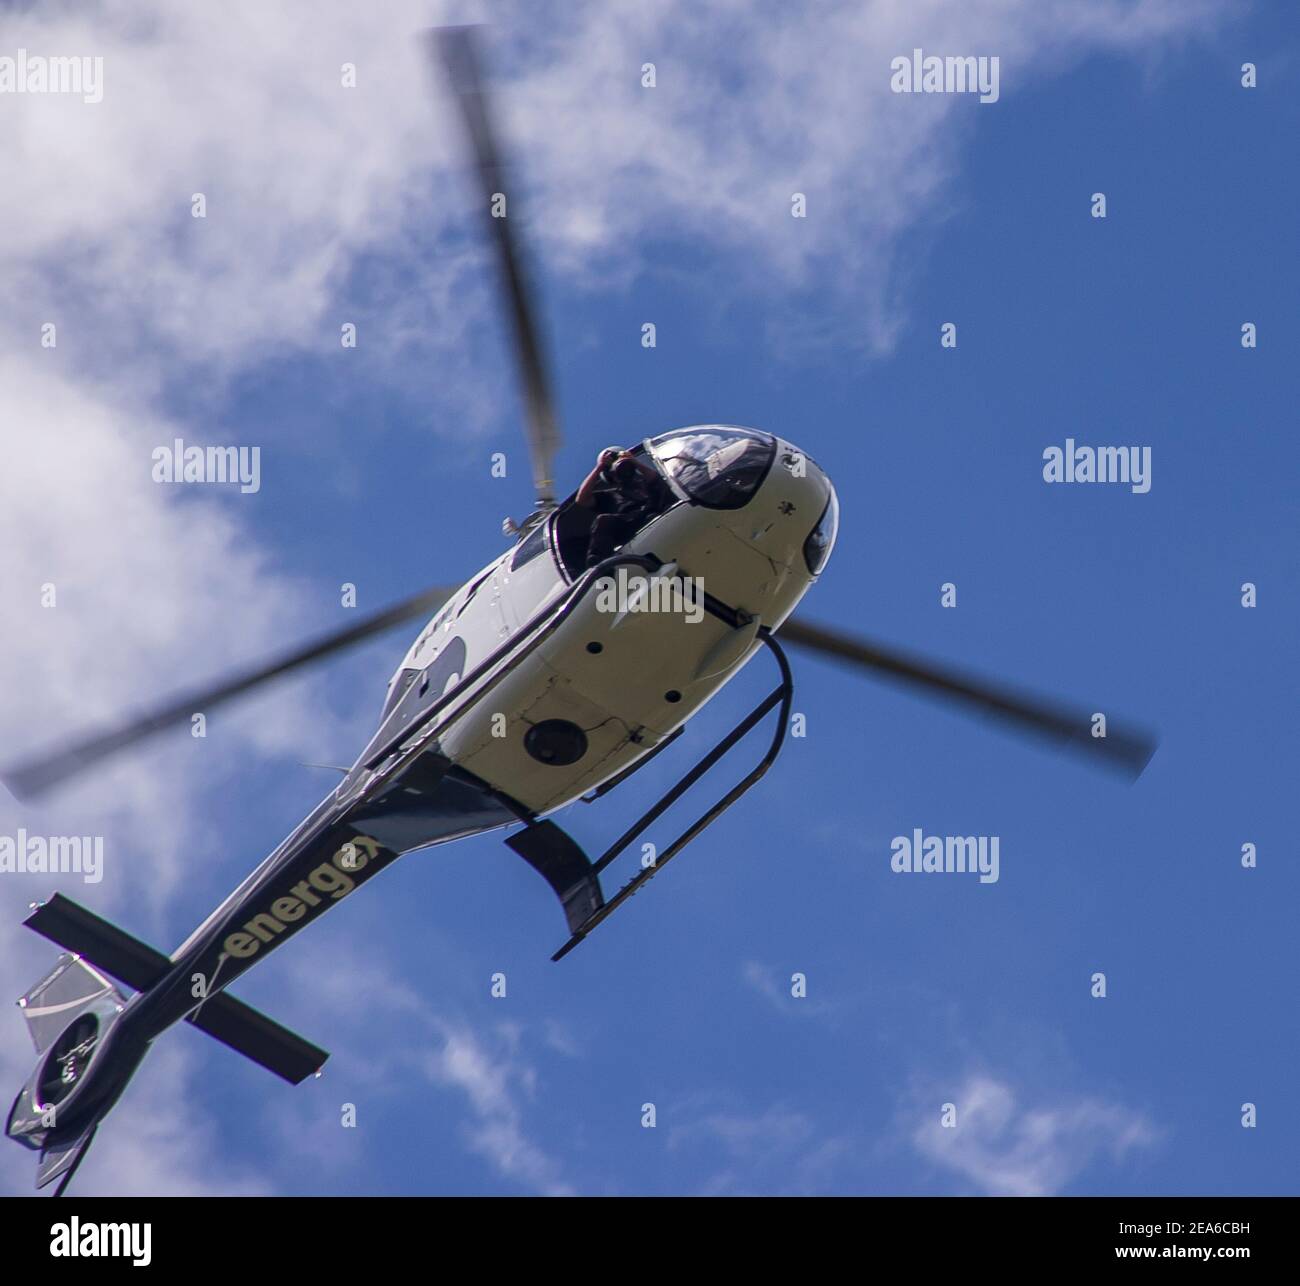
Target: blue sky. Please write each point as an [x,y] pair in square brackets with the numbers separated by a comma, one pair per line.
[922,990]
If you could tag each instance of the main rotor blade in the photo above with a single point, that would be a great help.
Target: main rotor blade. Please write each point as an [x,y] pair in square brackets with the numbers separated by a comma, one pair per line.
[1127,752]
[36,776]
[457,50]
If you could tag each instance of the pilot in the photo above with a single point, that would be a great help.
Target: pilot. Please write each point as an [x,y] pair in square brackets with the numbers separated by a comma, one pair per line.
[625,493]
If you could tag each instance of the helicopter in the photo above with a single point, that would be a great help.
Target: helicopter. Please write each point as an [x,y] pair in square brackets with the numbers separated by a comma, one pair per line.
[551,676]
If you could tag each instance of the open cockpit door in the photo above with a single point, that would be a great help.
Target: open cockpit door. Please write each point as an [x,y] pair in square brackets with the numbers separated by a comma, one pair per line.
[571,523]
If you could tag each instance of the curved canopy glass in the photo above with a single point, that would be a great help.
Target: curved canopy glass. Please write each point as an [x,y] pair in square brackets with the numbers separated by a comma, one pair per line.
[718,467]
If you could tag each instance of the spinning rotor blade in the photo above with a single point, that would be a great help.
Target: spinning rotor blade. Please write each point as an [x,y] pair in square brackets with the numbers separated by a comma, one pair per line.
[1124,751]
[36,776]
[456,48]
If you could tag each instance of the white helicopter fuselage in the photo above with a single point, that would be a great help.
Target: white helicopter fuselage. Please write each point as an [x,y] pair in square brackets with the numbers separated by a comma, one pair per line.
[631,656]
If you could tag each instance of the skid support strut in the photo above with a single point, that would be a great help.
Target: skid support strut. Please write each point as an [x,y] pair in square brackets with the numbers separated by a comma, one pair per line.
[781,695]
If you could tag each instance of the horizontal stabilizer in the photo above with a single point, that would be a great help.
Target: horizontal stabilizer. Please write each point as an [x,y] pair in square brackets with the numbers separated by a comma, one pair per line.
[250,1032]
[140,966]
[115,951]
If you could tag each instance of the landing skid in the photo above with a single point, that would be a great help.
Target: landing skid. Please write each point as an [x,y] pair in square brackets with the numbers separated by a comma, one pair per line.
[576,879]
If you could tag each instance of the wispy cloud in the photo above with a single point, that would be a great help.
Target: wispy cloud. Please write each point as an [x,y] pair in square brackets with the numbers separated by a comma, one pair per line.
[779,1150]
[487,1066]
[494,1080]
[760,979]
[1012,1143]
[1006,1141]
[776,987]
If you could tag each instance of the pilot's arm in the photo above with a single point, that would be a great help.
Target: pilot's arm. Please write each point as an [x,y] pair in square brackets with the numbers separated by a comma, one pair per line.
[586,496]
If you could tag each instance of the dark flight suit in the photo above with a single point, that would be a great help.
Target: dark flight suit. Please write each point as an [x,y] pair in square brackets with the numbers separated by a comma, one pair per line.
[623,506]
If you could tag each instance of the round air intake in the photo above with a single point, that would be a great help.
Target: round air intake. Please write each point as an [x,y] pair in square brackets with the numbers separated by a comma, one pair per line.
[556,742]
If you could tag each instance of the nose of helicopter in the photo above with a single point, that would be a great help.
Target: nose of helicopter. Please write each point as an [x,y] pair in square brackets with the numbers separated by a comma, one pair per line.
[793,516]
[762,518]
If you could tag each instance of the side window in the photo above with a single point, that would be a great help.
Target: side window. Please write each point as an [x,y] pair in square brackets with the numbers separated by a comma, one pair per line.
[533,545]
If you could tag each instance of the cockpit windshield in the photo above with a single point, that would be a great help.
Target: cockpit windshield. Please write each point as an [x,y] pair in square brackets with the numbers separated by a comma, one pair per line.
[718,467]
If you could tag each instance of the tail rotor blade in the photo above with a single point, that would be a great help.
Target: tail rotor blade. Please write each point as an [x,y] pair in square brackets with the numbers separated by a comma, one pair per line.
[456,49]
[34,777]
[1127,752]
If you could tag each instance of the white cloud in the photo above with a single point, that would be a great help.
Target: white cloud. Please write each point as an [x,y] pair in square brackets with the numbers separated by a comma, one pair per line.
[493,1081]
[779,1151]
[759,977]
[1004,1145]
[745,113]
[150,595]
[774,985]
[746,1137]
[371,1017]
[1007,1141]
[243,102]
